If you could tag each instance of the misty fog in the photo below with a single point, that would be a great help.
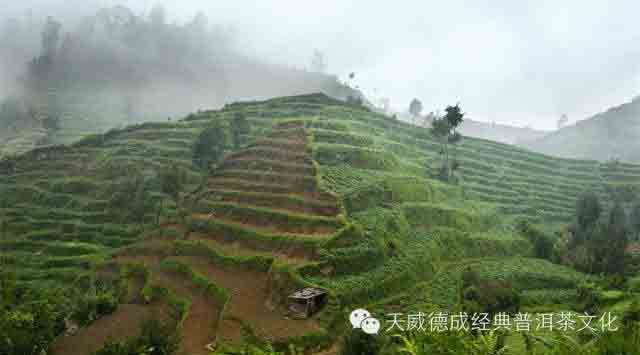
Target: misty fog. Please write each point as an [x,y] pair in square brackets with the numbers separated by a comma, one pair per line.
[115,67]
[524,64]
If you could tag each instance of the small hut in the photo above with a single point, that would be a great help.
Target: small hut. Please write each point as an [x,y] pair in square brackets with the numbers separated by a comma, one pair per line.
[306,302]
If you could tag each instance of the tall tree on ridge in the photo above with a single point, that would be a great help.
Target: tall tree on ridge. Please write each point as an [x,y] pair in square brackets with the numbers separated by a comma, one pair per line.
[444,130]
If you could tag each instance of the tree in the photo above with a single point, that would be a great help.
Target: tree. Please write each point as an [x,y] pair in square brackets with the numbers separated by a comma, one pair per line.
[542,244]
[635,220]
[415,108]
[355,100]
[3,237]
[172,180]
[130,198]
[239,128]
[210,146]
[444,130]
[586,232]
[588,210]
[617,241]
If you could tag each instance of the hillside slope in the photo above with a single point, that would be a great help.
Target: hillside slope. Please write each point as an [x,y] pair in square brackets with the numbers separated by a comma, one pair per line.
[324,194]
[613,134]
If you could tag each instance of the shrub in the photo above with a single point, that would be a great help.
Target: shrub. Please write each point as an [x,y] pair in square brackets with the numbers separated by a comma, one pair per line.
[488,296]
[542,244]
[156,338]
[94,305]
[358,342]
[29,319]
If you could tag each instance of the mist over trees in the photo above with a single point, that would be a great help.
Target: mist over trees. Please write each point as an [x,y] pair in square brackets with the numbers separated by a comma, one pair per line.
[116,67]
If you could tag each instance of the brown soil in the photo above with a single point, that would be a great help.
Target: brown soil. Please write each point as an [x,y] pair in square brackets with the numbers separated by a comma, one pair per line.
[253,186]
[249,291]
[291,182]
[633,248]
[333,350]
[278,203]
[199,328]
[149,246]
[232,332]
[295,143]
[108,272]
[269,165]
[119,326]
[269,226]
[273,154]
[146,260]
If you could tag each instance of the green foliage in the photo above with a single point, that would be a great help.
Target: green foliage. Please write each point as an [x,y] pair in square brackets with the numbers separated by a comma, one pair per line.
[428,215]
[635,220]
[543,244]
[588,210]
[357,342]
[172,180]
[589,236]
[210,146]
[444,130]
[488,296]
[30,319]
[93,304]
[240,128]
[155,338]
[130,198]
[335,154]
[451,343]
[415,107]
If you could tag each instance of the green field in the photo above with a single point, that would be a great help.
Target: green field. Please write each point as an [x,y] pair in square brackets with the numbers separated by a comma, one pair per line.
[324,194]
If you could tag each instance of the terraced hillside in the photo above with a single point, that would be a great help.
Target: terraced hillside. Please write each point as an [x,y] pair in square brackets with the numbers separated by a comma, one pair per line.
[260,215]
[519,182]
[324,194]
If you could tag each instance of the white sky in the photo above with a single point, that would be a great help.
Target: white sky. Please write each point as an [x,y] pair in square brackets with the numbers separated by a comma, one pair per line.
[510,61]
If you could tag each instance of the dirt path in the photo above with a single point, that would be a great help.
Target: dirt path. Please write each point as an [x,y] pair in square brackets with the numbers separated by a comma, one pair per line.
[119,326]
[199,328]
[249,294]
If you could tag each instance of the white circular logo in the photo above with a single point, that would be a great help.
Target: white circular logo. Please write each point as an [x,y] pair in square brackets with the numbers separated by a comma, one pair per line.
[358,316]
[370,326]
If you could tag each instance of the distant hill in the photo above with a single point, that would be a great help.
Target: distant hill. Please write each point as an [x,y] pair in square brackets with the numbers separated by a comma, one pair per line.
[492,131]
[613,134]
[500,132]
